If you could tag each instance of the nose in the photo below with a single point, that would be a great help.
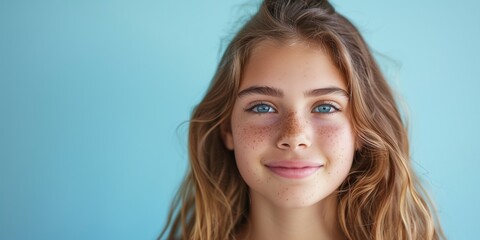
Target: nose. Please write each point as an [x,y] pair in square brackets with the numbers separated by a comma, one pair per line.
[293,133]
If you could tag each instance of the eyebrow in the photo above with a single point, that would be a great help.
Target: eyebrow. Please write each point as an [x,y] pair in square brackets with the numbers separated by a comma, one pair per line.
[326,91]
[274,92]
[262,90]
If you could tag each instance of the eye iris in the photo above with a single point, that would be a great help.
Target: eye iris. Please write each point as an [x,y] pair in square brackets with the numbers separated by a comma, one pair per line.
[324,108]
[263,108]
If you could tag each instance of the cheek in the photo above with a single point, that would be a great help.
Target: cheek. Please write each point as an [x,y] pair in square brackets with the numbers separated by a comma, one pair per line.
[250,137]
[337,142]
[250,143]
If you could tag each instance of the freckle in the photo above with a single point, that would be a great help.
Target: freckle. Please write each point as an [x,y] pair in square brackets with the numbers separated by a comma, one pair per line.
[291,125]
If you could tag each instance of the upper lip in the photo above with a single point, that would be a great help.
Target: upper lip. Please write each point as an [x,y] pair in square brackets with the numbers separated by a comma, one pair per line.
[293,164]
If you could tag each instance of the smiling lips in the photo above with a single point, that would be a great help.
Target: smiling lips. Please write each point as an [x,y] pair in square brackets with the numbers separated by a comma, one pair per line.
[294,169]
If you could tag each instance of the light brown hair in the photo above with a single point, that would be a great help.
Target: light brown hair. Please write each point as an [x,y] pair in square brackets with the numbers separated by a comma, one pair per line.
[381,198]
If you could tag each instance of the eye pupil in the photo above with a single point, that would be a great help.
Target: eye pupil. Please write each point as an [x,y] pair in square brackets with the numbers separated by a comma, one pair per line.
[263,108]
[324,108]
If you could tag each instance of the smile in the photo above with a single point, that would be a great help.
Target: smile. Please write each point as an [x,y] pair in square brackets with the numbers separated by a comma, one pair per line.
[293,169]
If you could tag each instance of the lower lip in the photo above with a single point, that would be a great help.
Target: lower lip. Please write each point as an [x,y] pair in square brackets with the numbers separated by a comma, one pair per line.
[295,173]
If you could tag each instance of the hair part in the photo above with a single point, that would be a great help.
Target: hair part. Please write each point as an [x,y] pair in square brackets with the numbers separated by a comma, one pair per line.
[381,198]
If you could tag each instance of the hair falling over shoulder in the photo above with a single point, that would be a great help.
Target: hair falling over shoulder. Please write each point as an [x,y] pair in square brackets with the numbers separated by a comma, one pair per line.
[382,198]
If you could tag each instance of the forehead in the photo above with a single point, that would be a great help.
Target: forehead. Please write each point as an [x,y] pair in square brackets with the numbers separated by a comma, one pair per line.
[283,63]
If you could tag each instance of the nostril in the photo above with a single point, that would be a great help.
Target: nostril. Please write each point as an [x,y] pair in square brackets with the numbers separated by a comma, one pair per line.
[294,143]
[293,132]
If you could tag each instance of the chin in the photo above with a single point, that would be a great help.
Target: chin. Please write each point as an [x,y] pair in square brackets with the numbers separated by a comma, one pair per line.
[303,199]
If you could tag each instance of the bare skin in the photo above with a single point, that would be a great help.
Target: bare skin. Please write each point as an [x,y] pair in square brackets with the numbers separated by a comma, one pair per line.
[293,141]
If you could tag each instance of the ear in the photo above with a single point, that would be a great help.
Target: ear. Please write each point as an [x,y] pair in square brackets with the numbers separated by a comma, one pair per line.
[227,136]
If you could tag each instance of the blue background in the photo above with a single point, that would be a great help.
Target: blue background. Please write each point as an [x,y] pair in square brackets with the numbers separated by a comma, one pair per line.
[93,95]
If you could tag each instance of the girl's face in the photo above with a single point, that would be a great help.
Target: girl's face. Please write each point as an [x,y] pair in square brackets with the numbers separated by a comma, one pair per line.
[290,126]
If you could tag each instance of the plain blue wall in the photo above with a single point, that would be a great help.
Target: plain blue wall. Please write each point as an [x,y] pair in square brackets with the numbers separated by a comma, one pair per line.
[93,94]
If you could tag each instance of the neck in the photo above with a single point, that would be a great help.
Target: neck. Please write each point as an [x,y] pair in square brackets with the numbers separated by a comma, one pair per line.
[319,221]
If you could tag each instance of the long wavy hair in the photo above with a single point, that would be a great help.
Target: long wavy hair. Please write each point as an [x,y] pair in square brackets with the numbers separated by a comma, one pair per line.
[381,198]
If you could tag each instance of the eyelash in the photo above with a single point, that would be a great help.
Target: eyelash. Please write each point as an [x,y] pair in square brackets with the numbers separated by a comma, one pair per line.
[252,108]
[331,105]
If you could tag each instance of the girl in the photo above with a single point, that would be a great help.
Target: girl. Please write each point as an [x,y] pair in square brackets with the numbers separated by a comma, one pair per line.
[299,137]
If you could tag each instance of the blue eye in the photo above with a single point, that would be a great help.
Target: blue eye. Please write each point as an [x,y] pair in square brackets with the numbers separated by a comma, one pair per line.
[262,108]
[325,108]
